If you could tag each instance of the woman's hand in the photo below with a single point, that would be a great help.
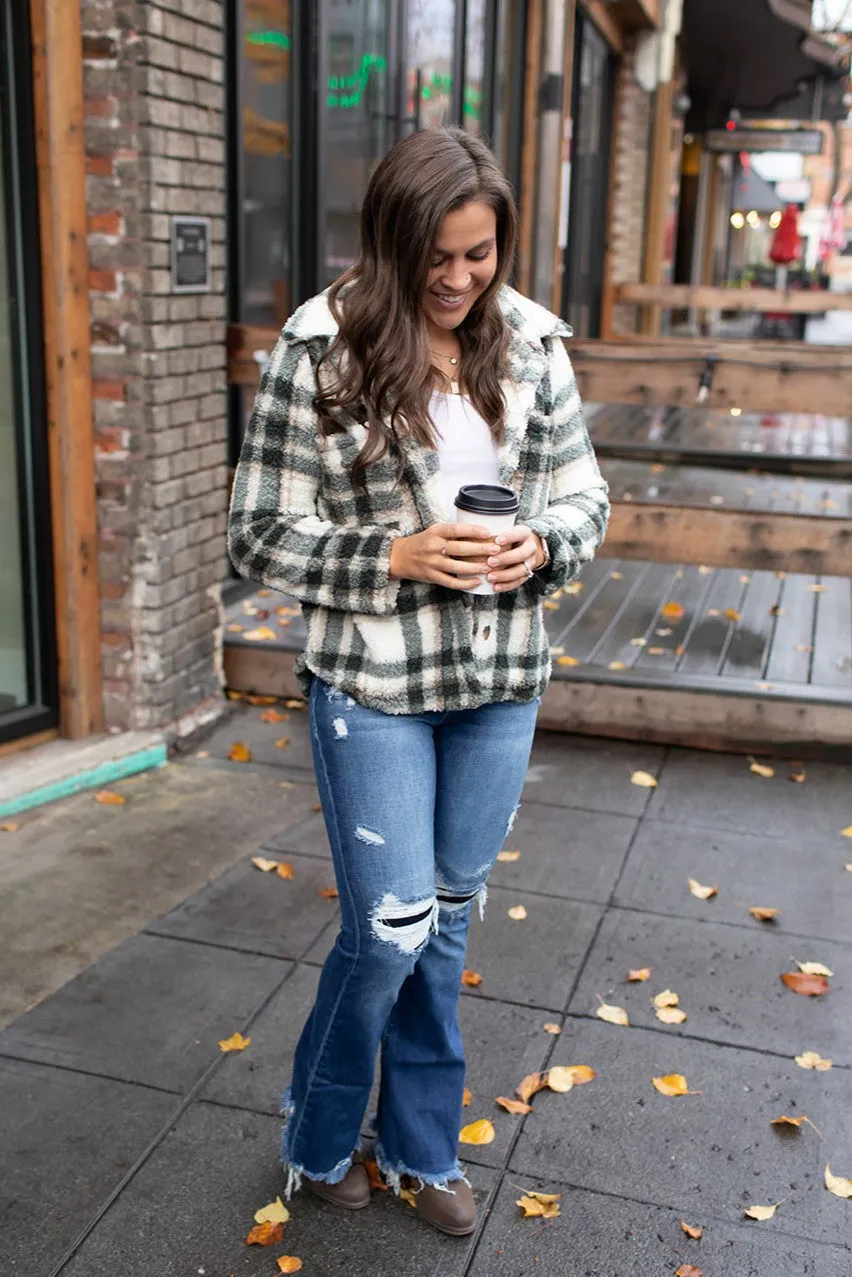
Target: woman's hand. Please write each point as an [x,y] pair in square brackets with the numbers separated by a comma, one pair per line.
[518,548]
[449,554]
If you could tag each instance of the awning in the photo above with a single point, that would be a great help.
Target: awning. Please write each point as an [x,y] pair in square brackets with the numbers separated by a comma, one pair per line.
[761,58]
[752,192]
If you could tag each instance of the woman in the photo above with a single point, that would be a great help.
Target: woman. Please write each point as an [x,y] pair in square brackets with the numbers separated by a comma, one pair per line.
[418,371]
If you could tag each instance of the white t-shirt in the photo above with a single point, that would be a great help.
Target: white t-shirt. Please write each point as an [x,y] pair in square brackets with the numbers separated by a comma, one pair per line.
[466,449]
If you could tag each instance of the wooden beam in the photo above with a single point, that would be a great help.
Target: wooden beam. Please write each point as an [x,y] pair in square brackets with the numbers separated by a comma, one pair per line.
[529,146]
[60,161]
[564,170]
[683,296]
[659,187]
[756,540]
[611,30]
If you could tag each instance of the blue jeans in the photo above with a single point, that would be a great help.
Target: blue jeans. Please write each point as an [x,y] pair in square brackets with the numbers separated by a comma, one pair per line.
[416,807]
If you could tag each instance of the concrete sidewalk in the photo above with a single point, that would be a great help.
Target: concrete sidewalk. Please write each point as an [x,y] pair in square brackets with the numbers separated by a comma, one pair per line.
[132,1145]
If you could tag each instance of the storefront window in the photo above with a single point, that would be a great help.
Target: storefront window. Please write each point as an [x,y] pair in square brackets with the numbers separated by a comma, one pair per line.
[430,63]
[473,102]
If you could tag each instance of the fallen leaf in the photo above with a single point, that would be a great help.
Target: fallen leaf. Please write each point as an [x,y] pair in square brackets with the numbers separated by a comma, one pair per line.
[513,1106]
[816,589]
[481,1132]
[576,587]
[533,1206]
[530,1086]
[760,769]
[668,998]
[328,893]
[467,1096]
[638,642]
[616,576]
[564,1077]
[847,832]
[798,776]
[840,1185]
[731,614]
[550,605]
[644,780]
[374,1175]
[203,753]
[272,716]
[236,1042]
[692,1230]
[671,1015]
[273,1213]
[613,1014]
[672,611]
[664,631]
[555,1029]
[284,870]
[848,867]
[567,660]
[656,651]
[704,570]
[703,893]
[673,1084]
[289,1264]
[812,1060]
[517,912]
[639,974]
[282,742]
[763,914]
[109,799]
[266,1234]
[688,1270]
[240,753]
[407,1196]
[265,866]
[294,703]
[784,1120]
[259,635]
[617,665]
[811,986]
[508,857]
[813,968]
[9,827]
[760,1212]
[472,979]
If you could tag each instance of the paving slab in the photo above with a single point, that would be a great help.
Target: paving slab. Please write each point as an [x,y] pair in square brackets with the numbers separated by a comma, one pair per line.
[599,1236]
[306,837]
[566,852]
[728,980]
[247,726]
[152,1011]
[66,1140]
[704,1155]
[578,771]
[719,789]
[256,912]
[805,880]
[173,1222]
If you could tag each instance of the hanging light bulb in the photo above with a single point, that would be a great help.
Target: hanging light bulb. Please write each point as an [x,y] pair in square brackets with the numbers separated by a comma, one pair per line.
[753,219]
[775,220]
[737,221]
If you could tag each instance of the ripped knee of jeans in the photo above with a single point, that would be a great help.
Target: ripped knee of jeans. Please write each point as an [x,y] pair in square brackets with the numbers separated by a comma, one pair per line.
[404,924]
[458,901]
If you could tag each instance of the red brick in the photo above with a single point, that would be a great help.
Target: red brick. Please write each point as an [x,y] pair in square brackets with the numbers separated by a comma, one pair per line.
[102,281]
[99,108]
[112,589]
[108,389]
[110,438]
[99,165]
[105,223]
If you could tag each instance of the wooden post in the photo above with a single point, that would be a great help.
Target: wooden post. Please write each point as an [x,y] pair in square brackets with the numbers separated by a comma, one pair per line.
[564,168]
[529,150]
[658,200]
[60,160]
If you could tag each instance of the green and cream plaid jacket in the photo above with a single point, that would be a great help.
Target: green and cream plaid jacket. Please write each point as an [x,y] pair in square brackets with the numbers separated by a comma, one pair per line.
[297,525]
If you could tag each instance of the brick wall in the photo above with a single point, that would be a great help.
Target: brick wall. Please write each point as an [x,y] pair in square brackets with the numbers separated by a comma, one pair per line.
[631,158]
[155,130]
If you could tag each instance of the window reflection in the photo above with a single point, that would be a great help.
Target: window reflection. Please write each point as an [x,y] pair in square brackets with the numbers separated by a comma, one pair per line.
[429,63]
[474,68]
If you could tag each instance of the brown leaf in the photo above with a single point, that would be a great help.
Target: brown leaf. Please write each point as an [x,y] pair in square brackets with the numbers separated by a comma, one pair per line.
[809,985]
[513,1106]
[480,1132]
[550,1027]
[259,635]
[407,1196]
[673,1084]
[530,1086]
[374,1175]
[507,857]
[703,893]
[689,1270]
[691,1230]
[328,893]
[284,870]
[672,611]
[613,1015]
[471,978]
[9,827]
[840,1185]
[110,799]
[763,914]
[467,1096]
[517,913]
[639,974]
[265,1234]
[289,1264]
[240,753]
[532,1206]
[236,1042]
[272,716]
[812,1060]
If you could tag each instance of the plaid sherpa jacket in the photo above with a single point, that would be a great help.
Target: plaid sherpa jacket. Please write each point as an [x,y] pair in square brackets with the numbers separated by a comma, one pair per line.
[297,525]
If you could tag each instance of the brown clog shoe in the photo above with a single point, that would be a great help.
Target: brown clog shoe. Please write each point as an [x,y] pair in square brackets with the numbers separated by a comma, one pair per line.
[352,1193]
[452,1212]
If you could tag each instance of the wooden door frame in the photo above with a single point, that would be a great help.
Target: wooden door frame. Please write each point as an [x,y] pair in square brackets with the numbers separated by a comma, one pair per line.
[61,167]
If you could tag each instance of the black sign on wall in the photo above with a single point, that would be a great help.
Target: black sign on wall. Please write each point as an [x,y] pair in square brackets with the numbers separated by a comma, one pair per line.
[191,255]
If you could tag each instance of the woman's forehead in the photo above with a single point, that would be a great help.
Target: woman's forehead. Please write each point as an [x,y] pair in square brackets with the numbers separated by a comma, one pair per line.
[466,227]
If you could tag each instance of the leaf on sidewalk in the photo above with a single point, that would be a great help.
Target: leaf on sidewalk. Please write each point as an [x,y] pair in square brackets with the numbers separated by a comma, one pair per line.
[289,1264]
[692,1230]
[261,634]
[672,611]
[471,979]
[480,1132]
[467,1096]
[810,986]
[263,864]
[555,1029]
[564,1077]
[507,857]
[512,1106]
[813,968]
[240,753]
[700,891]
[613,1014]
[533,1207]
[760,1212]
[236,1042]
[295,703]
[107,798]
[272,716]
[797,775]
[409,1197]
[273,1213]
[567,660]
[812,1060]
[760,769]
[689,1270]
[644,780]
[517,913]
[637,975]
[284,870]
[840,1185]
[763,914]
[673,1084]
[9,827]
[328,893]
[530,1086]
[847,832]
[670,1015]
[282,742]
[266,1234]
[374,1175]
[668,998]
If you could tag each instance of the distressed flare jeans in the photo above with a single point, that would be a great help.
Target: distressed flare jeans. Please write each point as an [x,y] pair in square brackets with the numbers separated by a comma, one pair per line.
[416,807]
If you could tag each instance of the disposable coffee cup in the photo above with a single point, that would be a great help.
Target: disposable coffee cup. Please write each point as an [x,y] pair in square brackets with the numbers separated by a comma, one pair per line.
[490,505]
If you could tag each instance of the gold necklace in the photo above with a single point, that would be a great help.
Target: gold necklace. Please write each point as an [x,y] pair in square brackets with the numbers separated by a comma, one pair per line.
[454,359]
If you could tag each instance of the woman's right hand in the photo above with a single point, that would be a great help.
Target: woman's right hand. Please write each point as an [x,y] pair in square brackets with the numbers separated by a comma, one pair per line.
[449,554]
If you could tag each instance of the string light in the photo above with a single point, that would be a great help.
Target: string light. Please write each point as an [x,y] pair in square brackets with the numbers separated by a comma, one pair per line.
[737,221]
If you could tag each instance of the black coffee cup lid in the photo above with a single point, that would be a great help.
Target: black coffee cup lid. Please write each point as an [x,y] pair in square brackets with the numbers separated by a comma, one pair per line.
[487,498]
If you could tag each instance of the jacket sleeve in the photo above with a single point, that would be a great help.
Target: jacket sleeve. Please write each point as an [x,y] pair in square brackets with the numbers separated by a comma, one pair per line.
[575,522]
[275,534]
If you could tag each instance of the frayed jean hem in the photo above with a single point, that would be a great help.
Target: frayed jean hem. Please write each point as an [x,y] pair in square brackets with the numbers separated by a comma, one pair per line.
[294,1170]
[394,1174]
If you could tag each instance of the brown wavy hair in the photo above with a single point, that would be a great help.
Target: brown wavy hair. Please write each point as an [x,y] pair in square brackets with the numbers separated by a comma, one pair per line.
[379,359]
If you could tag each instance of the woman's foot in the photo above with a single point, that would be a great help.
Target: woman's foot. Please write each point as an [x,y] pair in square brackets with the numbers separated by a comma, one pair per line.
[452,1211]
[352,1193]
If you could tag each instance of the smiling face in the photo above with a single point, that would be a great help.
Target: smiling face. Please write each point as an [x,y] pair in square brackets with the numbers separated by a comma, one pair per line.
[464,262]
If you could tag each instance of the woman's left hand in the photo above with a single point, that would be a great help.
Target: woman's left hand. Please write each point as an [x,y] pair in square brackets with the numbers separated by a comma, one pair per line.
[520,548]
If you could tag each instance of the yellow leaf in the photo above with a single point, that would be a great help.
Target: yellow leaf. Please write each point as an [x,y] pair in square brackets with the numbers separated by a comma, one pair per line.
[273,1213]
[240,753]
[407,1196]
[508,857]
[109,799]
[530,1086]
[481,1132]
[813,968]
[265,866]
[670,1015]
[691,1230]
[812,1060]
[840,1185]
[289,1264]
[760,1212]
[668,998]
[517,912]
[816,589]
[550,605]
[532,1207]
[9,827]
[272,716]
[567,660]
[703,893]
[784,1120]
[328,893]
[467,1096]
[656,651]
[616,576]
[672,611]
[644,780]
[847,832]
[688,1270]
[236,1042]
[282,742]
[763,914]
[731,614]
[576,587]
[612,1014]
[259,635]
[513,1106]
[471,978]
[617,665]
[563,1077]
[295,703]
[545,1198]
[760,769]
[284,870]
[639,974]
[673,1084]
[798,776]
[265,1234]
[555,1029]
[704,570]
[638,642]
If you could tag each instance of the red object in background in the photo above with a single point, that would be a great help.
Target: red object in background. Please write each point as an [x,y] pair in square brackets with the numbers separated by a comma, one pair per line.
[785,245]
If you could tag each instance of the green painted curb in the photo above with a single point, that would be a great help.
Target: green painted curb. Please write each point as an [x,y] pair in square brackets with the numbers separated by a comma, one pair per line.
[103,774]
